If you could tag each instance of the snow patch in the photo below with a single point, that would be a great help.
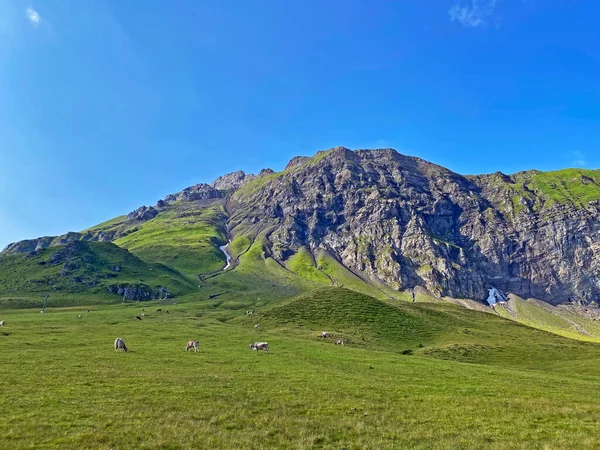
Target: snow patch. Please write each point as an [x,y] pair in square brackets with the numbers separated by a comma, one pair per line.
[495,296]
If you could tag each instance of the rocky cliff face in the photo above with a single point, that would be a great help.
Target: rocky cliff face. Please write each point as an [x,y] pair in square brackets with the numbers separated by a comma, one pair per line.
[412,223]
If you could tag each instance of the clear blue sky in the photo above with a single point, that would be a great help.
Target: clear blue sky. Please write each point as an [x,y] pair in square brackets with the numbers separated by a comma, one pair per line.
[107,105]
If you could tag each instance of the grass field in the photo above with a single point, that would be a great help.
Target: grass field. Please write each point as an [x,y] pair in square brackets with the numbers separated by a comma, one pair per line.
[474,380]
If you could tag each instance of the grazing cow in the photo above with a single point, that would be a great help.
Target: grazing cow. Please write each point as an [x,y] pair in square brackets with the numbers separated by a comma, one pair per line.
[257,326]
[159,310]
[1,323]
[325,335]
[192,344]
[79,316]
[167,311]
[249,313]
[340,342]
[120,345]
[143,315]
[259,346]
[138,317]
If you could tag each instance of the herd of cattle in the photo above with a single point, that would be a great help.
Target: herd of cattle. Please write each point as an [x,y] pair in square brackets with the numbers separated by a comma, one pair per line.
[194,345]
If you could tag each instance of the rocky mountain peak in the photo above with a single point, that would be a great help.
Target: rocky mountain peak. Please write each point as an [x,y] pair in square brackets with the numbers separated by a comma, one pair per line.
[232,181]
[143,213]
[297,161]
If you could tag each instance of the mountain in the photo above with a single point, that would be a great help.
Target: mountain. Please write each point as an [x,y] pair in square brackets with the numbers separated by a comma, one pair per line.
[375,221]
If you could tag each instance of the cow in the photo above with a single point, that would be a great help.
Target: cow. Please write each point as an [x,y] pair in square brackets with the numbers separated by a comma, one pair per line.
[325,335]
[120,345]
[259,346]
[257,326]
[79,316]
[1,323]
[159,310]
[138,317]
[192,344]
[143,315]
[340,342]
[249,313]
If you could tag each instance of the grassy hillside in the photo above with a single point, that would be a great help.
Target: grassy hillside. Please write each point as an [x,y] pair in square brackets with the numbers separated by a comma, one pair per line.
[436,330]
[185,237]
[542,190]
[78,272]
[550,318]
[541,391]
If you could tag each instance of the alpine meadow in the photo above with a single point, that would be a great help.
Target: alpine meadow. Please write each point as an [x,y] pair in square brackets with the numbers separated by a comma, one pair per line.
[311,225]
[464,312]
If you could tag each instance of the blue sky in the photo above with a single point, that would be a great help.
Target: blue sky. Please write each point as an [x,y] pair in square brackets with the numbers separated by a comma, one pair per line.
[107,105]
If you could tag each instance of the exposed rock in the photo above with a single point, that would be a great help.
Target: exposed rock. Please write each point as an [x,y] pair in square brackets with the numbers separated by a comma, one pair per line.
[136,292]
[232,181]
[264,172]
[297,162]
[143,213]
[411,223]
[199,192]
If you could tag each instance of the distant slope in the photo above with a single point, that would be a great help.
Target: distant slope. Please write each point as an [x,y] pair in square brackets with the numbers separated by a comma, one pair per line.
[544,316]
[80,271]
[437,330]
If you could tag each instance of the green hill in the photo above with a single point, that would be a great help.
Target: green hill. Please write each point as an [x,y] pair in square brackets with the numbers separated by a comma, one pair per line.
[84,273]
[437,330]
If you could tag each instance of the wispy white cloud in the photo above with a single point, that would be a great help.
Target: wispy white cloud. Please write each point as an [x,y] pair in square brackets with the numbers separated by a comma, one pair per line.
[33,16]
[472,13]
[578,159]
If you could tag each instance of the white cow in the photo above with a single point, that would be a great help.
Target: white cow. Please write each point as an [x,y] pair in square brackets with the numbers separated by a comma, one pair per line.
[325,334]
[340,342]
[1,323]
[192,344]
[79,316]
[259,346]
[120,345]
[257,326]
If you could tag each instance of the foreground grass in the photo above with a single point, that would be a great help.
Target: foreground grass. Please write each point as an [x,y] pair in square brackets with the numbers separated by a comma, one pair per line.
[63,386]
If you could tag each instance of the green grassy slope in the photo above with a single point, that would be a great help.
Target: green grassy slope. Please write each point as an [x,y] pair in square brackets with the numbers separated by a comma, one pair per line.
[77,272]
[185,237]
[437,330]
[542,190]
[63,386]
[303,264]
[257,280]
[342,277]
[544,316]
